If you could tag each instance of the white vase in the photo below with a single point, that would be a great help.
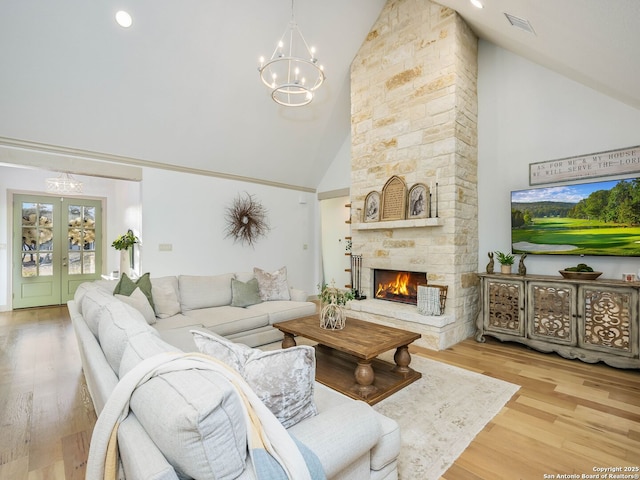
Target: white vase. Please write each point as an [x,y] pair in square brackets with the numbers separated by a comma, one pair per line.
[125,263]
[332,317]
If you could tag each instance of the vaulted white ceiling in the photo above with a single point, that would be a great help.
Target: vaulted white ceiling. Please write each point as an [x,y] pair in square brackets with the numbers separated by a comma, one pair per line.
[181,85]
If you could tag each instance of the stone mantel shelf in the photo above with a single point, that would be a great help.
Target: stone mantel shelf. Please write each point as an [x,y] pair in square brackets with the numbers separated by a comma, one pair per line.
[411,223]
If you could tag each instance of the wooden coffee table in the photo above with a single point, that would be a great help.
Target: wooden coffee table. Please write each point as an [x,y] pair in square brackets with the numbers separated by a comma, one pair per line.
[346,359]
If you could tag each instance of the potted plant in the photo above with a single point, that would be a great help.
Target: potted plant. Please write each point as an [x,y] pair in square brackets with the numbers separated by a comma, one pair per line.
[332,302]
[506,261]
[123,243]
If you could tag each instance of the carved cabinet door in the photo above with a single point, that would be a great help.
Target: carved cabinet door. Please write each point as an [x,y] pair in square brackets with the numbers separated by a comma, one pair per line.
[606,319]
[552,312]
[504,306]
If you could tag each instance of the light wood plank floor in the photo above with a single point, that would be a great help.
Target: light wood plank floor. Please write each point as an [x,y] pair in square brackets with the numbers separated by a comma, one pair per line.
[567,418]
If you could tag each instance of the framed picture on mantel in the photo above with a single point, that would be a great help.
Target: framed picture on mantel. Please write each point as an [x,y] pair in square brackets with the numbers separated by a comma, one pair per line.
[372,207]
[418,206]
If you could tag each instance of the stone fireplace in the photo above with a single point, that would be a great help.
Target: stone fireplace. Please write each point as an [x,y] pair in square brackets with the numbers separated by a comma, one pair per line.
[414,116]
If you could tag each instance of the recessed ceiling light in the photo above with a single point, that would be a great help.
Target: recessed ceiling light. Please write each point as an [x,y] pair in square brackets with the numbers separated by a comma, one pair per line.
[123,19]
[476,3]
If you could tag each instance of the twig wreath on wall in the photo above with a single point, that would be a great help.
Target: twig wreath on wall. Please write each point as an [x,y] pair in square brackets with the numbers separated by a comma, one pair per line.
[246,220]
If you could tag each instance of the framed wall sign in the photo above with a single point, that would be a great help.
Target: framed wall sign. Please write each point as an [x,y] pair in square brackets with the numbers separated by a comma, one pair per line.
[394,199]
[601,164]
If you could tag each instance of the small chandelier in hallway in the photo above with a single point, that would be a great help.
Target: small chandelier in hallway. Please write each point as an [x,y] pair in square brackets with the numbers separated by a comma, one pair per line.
[65,184]
[292,73]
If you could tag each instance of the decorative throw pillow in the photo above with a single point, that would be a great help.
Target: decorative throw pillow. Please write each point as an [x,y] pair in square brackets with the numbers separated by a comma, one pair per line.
[244,294]
[273,286]
[139,301]
[164,291]
[126,286]
[282,379]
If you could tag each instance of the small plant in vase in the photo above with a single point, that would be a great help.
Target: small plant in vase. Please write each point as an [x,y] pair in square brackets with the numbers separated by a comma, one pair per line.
[506,261]
[123,243]
[332,302]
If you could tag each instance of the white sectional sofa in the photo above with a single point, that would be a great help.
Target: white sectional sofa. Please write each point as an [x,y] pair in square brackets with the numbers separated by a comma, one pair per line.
[185,302]
[349,438]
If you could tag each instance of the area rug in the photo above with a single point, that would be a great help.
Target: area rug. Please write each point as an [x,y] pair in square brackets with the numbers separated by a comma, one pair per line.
[440,414]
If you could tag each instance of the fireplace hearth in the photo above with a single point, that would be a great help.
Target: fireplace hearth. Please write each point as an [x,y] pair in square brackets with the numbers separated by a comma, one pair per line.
[397,285]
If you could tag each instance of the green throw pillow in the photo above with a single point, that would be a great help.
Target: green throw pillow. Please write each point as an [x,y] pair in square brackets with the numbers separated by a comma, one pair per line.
[244,294]
[126,286]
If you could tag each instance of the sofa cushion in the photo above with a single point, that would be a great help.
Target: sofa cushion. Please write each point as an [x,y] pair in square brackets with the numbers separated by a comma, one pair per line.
[283,379]
[273,286]
[165,296]
[93,301]
[141,347]
[117,322]
[228,320]
[283,310]
[244,294]
[126,286]
[195,417]
[139,301]
[204,291]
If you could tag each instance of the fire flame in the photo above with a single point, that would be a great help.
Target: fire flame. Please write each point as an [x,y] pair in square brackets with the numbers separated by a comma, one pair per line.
[398,286]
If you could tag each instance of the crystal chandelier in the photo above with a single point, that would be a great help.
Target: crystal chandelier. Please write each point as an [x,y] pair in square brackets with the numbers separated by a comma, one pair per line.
[292,73]
[64,184]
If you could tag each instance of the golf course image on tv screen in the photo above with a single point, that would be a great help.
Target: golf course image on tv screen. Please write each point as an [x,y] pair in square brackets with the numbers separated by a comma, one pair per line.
[598,218]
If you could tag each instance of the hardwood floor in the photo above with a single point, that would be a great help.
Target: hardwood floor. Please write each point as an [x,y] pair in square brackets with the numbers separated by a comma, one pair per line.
[46,415]
[567,418]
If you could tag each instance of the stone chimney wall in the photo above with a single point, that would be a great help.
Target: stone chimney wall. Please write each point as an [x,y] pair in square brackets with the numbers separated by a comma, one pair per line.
[414,115]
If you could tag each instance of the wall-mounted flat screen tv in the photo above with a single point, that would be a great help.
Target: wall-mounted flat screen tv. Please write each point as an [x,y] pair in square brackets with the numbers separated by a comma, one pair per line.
[599,218]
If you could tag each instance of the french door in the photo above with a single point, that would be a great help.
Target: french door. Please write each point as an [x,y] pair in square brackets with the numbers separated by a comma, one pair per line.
[56,247]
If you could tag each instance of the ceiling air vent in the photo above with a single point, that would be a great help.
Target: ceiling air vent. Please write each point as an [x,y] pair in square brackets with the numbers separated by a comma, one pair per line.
[520,23]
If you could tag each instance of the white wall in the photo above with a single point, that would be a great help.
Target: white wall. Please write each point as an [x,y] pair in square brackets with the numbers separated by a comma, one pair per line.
[188,212]
[338,175]
[528,114]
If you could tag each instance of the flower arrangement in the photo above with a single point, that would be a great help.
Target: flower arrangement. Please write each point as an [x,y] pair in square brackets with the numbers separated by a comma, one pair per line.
[124,242]
[331,294]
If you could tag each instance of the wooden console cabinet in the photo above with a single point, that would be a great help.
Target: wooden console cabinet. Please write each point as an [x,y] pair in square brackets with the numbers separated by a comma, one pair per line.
[592,320]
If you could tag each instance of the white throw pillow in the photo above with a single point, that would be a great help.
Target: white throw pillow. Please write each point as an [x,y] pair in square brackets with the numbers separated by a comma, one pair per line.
[165,296]
[139,301]
[282,379]
[273,286]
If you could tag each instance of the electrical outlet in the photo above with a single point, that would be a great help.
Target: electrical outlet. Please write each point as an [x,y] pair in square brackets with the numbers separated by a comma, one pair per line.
[165,247]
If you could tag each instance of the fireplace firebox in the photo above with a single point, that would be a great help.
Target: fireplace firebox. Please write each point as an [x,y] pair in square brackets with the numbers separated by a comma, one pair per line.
[397,285]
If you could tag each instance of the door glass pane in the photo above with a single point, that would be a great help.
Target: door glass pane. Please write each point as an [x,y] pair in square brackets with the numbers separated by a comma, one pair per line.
[45,267]
[89,262]
[37,239]
[75,265]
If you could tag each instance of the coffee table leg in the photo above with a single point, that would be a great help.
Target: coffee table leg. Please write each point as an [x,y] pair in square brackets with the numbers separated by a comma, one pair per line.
[364,378]
[402,359]
[288,341]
